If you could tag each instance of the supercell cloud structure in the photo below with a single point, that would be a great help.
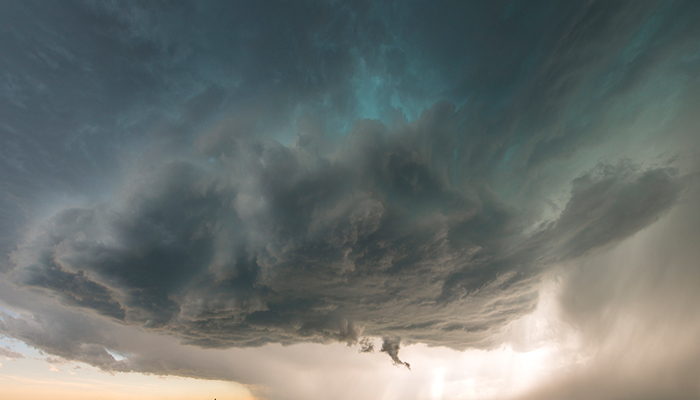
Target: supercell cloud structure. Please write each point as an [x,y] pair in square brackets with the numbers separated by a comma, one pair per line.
[257,173]
[274,244]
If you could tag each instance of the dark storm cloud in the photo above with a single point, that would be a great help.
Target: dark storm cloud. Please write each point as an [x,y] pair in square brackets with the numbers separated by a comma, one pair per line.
[268,243]
[84,81]
[85,85]
[223,236]
[613,206]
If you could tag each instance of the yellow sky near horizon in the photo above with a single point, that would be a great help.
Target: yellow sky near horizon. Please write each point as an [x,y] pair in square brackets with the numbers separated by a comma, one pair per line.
[32,378]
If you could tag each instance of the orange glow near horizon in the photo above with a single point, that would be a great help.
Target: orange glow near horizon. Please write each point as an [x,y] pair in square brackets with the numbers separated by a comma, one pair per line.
[35,379]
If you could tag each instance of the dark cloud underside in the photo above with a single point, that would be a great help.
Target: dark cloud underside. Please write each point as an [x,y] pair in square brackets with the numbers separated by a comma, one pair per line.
[274,244]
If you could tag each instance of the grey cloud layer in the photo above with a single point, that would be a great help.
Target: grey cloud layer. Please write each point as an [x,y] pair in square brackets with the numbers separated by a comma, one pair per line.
[266,243]
[86,85]
[163,123]
[635,307]
[9,353]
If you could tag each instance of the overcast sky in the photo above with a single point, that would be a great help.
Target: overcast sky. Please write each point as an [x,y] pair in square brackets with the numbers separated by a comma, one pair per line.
[323,199]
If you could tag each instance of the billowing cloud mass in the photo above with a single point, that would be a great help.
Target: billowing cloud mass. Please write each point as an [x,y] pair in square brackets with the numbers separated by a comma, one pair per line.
[376,174]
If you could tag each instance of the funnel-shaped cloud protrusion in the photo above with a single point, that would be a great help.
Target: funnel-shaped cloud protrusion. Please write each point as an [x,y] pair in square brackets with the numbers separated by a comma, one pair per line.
[276,244]
[391,347]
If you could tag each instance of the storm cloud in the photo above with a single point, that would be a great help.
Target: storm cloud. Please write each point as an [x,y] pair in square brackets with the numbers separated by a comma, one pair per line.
[273,244]
[243,175]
